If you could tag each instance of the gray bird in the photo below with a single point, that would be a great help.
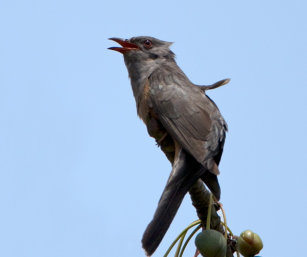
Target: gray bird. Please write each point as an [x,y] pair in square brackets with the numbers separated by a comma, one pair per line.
[184,121]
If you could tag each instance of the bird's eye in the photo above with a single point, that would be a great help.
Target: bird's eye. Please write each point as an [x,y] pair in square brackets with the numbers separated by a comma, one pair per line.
[147,43]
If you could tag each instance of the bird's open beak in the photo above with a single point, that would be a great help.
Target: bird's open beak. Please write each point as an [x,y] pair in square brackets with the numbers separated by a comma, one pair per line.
[126,45]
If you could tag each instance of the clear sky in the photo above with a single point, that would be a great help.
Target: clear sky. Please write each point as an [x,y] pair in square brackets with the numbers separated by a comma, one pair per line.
[80,177]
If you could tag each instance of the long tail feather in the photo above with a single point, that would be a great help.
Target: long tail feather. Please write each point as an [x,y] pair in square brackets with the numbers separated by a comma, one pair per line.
[186,170]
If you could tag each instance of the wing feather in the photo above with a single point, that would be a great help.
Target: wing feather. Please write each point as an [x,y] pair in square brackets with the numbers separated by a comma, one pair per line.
[188,115]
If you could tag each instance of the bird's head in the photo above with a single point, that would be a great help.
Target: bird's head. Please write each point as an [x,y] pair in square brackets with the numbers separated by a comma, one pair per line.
[143,53]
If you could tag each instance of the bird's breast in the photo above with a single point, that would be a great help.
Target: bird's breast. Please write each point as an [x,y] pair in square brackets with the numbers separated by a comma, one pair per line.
[154,127]
[143,105]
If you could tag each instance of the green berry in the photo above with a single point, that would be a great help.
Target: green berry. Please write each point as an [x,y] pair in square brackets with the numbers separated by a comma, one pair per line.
[211,243]
[249,243]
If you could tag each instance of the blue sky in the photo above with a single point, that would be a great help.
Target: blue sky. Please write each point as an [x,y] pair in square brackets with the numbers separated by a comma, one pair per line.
[79,175]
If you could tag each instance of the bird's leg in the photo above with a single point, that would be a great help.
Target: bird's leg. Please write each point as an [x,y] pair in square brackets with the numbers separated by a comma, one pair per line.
[159,141]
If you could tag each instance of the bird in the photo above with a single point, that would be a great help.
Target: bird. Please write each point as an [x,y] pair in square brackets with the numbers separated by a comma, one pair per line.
[186,124]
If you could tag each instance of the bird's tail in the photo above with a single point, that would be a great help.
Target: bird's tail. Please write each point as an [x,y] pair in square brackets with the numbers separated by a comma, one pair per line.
[186,170]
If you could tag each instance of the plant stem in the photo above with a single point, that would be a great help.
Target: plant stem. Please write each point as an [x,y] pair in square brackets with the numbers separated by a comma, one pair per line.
[226,227]
[180,244]
[197,222]
[224,218]
[188,239]
[209,213]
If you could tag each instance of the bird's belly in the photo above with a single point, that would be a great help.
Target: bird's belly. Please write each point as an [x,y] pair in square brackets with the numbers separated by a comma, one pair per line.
[163,139]
[156,130]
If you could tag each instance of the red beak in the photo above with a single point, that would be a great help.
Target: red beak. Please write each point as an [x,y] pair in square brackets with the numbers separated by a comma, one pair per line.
[126,45]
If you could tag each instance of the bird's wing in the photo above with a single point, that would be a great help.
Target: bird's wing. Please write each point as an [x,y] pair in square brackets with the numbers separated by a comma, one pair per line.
[188,115]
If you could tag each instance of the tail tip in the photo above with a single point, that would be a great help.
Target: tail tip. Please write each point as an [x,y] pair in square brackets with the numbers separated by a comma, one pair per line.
[147,248]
